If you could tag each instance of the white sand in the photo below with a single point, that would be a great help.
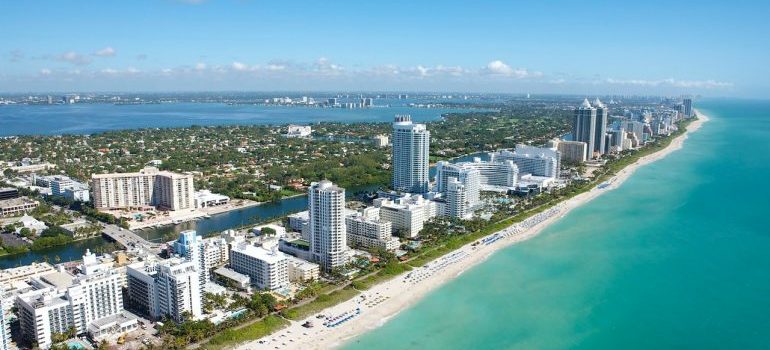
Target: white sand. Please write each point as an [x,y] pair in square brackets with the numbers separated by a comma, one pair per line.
[398,294]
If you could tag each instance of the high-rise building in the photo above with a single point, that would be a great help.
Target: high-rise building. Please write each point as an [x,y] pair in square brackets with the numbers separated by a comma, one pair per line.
[573,152]
[190,246]
[687,103]
[457,203]
[149,187]
[466,174]
[6,303]
[411,145]
[602,115]
[584,126]
[532,160]
[268,269]
[327,224]
[165,288]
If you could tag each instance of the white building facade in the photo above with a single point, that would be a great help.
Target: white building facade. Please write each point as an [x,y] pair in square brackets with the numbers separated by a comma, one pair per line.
[165,288]
[407,215]
[327,224]
[411,146]
[147,188]
[537,161]
[268,269]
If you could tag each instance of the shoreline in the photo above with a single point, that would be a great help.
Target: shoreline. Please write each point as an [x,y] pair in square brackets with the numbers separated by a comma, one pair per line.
[386,300]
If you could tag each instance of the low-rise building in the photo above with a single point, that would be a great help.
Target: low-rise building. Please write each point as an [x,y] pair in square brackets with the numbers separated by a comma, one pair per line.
[381,141]
[366,230]
[227,276]
[299,131]
[206,199]
[16,206]
[268,269]
[407,214]
[302,270]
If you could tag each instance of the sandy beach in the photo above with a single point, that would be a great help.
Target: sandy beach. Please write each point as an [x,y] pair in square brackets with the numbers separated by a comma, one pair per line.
[382,302]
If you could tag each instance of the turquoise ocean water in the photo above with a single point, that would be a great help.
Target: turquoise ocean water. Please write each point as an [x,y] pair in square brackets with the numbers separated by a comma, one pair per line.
[677,258]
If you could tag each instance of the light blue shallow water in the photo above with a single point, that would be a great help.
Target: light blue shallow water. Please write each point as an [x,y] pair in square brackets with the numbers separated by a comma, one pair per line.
[677,257]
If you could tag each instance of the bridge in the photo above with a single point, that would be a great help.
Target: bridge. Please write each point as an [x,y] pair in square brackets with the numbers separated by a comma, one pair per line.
[129,239]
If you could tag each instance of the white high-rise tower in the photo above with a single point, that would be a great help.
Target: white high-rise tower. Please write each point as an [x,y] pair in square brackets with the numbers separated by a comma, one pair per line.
[411,146]
[327,224]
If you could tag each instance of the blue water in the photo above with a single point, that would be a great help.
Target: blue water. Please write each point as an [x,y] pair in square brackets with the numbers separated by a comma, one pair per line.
[677,258]
[90,118]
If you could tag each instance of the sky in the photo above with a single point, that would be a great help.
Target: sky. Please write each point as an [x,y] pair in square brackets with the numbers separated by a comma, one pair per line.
[709,48]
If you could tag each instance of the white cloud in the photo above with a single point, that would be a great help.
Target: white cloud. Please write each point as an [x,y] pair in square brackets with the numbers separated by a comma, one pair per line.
[501,68]
[109,71]
[239,67]
[74,58]
[45,71]
[132,70]
[105,52]
[200,66]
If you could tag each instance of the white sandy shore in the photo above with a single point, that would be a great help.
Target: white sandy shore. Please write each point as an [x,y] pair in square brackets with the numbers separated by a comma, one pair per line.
[401,292]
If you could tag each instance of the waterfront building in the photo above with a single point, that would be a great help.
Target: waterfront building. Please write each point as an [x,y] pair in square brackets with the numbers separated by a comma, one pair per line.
[411,143]
[206,199]
[268,269]
[327,224]
[165,288]
[146,188]
[687,106]
[584,125]
[602,115]
[573,152]
[303,270]
[532,160]
[407,214]
[366,229]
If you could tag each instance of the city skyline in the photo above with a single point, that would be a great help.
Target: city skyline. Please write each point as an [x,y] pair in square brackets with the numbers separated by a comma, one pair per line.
[651,48]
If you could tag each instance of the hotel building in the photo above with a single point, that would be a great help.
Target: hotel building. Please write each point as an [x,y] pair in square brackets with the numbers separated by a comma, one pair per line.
[268,269]
[165,288]
[366,229]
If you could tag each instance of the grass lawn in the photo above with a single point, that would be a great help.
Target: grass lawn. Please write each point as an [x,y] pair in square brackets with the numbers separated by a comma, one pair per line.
[233,337]
[321,302]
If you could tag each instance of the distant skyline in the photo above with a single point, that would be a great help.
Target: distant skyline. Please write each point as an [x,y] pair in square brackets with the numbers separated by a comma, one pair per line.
[597,47]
